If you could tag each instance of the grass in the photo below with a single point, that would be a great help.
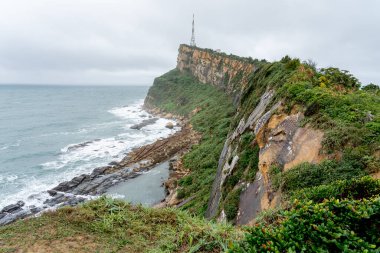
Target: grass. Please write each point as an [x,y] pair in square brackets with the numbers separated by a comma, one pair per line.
[108,225]
[181,93]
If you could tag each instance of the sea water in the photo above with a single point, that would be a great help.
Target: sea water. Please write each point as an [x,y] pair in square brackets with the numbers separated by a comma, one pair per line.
[50,134]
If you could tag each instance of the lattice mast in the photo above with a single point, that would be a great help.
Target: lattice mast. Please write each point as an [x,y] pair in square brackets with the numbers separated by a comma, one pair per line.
[192,41]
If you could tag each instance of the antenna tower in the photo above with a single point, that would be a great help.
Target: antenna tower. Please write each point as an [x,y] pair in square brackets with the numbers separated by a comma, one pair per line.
[192,41]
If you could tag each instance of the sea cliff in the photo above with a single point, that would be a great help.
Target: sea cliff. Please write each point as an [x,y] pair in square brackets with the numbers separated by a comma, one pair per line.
[290,150]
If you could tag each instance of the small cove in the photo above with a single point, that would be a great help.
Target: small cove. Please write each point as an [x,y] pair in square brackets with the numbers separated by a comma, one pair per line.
[146,189]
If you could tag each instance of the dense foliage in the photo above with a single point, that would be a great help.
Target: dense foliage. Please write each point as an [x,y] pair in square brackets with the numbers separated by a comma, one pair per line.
[309,175]
[180,93]
[330,226]
[356,188]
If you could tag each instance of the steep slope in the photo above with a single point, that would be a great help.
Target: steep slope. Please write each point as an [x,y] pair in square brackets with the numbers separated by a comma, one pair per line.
[286,147]
[291,121]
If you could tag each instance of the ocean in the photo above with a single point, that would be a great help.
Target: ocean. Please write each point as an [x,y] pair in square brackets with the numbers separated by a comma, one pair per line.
[50,134]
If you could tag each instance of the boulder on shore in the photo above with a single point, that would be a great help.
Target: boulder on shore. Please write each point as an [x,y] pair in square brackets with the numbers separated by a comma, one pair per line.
[169,125]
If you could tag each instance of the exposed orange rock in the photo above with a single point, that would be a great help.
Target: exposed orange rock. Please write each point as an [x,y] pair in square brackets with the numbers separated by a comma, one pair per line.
[214,68]
[307,143]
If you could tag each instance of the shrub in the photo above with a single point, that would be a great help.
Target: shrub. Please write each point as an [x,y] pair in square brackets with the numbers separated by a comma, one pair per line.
[334,76]
[371,88]
[231,204]
[357,188]
[331,226]
[309,175]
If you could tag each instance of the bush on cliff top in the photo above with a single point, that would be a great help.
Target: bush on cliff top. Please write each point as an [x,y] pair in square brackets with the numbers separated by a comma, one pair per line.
[349,117]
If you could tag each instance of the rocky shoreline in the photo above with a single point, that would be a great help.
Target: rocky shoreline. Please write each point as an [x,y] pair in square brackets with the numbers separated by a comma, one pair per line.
[139,160]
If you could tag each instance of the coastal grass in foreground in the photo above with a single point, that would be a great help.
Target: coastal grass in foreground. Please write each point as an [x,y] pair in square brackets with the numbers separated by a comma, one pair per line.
[108,225]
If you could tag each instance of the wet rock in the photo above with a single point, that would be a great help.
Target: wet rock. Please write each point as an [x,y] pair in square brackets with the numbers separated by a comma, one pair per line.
[74,201]
[52,192]
[98,172]
[57,199]
[169,125]
[33,209]
[144,123]
[10,217]
[13,207]
[113,163]
[69,185]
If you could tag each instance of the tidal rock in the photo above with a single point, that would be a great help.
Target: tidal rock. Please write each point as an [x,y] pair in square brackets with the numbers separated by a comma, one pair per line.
[33,209]
[52,192]
[113,163]
[144,123]
[10,217]
[169,125]
[13,207]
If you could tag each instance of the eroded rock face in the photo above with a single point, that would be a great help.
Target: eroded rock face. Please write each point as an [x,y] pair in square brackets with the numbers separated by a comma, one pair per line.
[215,68]
[282,142]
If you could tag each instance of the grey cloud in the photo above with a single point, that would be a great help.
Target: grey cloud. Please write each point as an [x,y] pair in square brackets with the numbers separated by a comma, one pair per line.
[129,42]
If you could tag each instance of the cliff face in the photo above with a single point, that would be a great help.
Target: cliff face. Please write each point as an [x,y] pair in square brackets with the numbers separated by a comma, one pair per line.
[277,135]
[226,72]
[291,131]
[281,141]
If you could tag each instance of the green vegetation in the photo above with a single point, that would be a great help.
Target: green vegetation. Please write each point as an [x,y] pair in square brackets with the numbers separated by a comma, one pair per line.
[333,206]
[332,102]
[108,225]
[231,204]
[308,175]
[357,188]
[231,56]
[331,226]
[350,118]
[180,93]
[372,88]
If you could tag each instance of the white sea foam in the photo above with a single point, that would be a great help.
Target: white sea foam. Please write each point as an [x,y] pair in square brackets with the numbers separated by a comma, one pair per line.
[81,158]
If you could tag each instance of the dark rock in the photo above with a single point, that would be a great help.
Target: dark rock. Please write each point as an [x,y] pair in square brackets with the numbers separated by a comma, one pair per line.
[13,216]
[98,171]
[52,192]
[68,186]
[57,199]
[33,209]
[80,145]
[113,163]
[20,203]
[144,123]
[13,207]
[2,215]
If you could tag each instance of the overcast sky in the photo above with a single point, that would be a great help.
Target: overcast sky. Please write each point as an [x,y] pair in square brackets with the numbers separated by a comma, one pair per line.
[133,41]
